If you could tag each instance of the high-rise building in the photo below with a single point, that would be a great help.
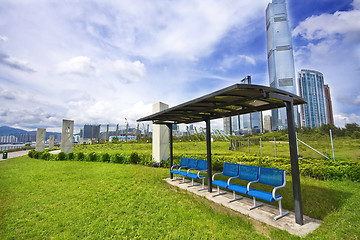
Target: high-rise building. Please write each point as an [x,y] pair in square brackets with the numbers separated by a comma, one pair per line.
[312,89]
[91,132]
[280,58]
[250,123]
[329,111]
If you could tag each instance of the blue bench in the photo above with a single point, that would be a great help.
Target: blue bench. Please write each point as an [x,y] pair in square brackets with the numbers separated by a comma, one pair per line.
[247,173]
[175,169]
[198,166]
[273,177]
[230,170]
[252,174]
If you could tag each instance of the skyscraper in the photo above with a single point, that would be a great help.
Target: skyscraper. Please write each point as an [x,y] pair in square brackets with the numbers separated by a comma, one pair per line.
[280,57]
[329,111]
[312,89]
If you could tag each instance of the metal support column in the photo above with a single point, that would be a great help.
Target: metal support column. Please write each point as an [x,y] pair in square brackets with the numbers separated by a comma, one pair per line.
[295,173]
[171,147]
[208,147]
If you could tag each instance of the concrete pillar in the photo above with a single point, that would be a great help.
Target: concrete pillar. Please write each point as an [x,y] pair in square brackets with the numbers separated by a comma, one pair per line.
[51,141]
[40,139]
[160,136]
[67,136]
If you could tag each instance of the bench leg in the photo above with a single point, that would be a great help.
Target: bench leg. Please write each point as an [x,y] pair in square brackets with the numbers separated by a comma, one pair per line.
[219,193]
[235,198]
[281,213]
[192,183]
[184,181]
[203,186]
[255,206]
[176,178]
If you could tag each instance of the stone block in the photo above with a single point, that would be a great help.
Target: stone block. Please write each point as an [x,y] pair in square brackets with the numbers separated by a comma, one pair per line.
[67,136]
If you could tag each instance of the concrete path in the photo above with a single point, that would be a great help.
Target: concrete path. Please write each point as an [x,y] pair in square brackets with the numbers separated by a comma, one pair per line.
[22,153]
[263,214]
[15,154]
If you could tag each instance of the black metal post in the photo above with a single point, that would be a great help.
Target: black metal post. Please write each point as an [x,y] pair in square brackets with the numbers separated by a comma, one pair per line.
[171,147]
[208,147]
[294,163]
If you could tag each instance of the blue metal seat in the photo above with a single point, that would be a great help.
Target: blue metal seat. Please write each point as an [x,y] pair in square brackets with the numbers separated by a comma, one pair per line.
[273,177]
[200,167]
[175,169]
[247,173]
[230,170]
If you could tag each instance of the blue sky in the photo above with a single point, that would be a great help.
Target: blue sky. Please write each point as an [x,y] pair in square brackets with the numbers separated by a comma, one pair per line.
[104,61]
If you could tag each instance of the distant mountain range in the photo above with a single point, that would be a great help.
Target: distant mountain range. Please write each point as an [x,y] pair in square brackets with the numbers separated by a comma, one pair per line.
[7,131]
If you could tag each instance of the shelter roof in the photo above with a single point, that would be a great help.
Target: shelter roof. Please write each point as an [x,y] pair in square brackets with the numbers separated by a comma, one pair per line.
[234,100]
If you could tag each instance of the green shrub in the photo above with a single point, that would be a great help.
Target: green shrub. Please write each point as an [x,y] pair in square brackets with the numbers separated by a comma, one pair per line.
[105,157]
[36,154]
[31,153]
[45,155]
[165,164]
[92,157]
[61,156]
[117,158]
[71,156]
[80,156]
[146,160]
[134,158]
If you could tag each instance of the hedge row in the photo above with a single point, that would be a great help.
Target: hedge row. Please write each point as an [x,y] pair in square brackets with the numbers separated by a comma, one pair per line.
[319,169]
[133,158]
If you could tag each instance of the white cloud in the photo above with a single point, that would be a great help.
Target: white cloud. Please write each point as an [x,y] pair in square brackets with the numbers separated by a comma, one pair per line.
[80,65]
[342,119]
[3,38]
[357,100]
[127,71]
[326,25]
[234,61]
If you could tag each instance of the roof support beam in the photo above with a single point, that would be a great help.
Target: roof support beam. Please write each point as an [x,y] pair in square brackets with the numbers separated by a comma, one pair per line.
[208,154]
[295,173]
[170,126]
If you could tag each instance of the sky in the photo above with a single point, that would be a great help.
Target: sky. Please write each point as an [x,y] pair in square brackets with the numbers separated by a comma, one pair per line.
[107,62]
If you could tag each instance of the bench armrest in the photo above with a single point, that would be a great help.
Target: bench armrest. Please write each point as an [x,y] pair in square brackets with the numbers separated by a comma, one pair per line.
[248,185]
[175,166]
[190,169]
[213,177]
[201,171]
[228,182]
[276,188]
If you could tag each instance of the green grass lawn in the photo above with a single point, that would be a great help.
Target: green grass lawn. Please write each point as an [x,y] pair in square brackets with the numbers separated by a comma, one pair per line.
[89,200]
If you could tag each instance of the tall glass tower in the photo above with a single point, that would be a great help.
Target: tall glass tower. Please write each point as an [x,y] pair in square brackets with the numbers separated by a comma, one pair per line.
[312,89]
[280,58]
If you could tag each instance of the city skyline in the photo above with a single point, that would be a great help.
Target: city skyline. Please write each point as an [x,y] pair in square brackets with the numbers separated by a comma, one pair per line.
[101,62]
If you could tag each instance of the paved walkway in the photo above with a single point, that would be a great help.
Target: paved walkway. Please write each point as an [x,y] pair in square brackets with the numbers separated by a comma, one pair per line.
[263,214]
[15,154]
[22,153]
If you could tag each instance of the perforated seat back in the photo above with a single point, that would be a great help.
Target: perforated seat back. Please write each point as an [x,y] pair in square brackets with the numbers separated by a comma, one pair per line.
[271,176]
[248,173]
[231,169]
[192,163]
[202,165]
[184,162]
